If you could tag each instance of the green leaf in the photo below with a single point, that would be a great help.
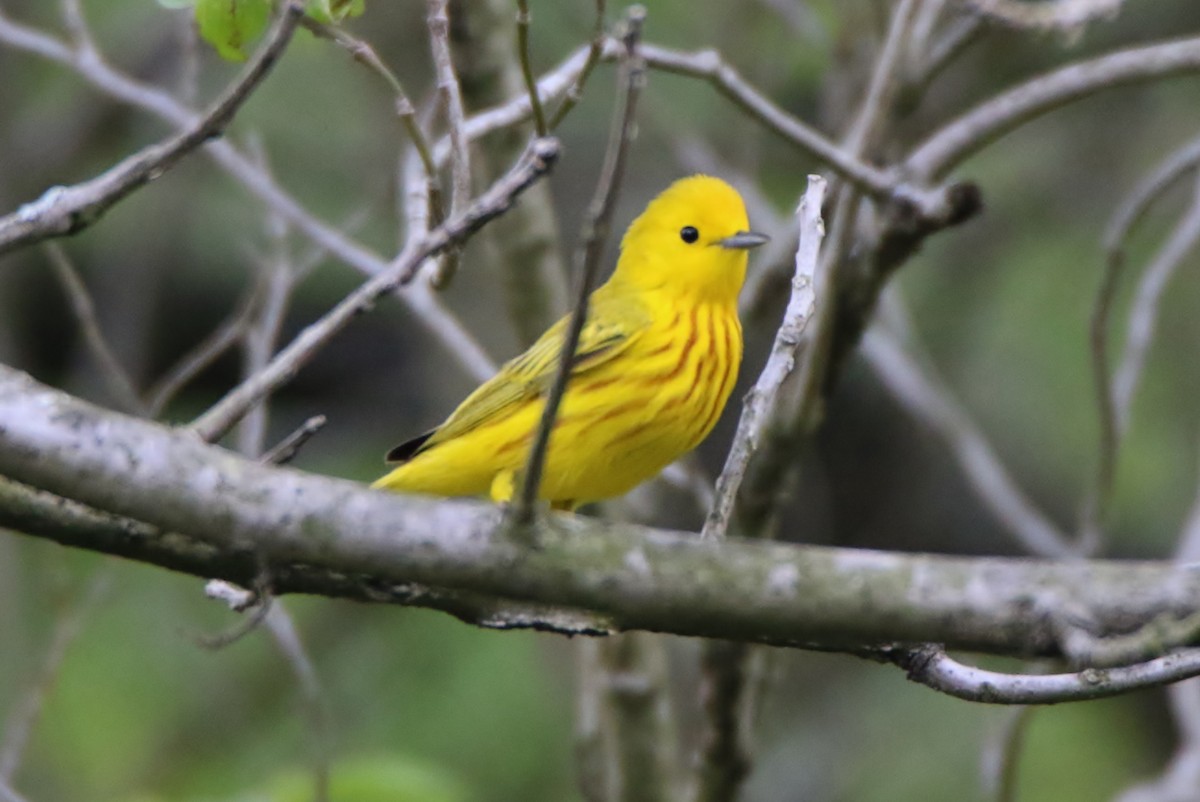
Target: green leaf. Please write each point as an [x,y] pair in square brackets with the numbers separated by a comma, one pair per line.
[396,778]
[334,11]
[230,25]
[176,3]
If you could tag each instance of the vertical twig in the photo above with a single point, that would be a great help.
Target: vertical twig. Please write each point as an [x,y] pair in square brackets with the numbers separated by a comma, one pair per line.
[112,372]
[575,92]
[921,392]
[595,769]
[25,714]
[530,265]
[1002,756]
[760,401]
[535,103]
[451,93]
[644,735]
[283,631]
[460,155]
[262,335]
[596,226]
[1114,393]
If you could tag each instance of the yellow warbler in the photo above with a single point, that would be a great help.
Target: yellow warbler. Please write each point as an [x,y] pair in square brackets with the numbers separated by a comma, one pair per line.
[656,361]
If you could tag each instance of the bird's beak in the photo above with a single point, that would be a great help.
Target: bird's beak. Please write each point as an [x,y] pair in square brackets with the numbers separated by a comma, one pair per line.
[744,240]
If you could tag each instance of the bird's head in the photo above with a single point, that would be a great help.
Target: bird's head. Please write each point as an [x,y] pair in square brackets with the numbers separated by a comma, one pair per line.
[692,240]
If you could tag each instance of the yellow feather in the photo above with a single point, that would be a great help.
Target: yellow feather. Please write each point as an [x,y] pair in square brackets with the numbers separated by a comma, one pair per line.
[656,362]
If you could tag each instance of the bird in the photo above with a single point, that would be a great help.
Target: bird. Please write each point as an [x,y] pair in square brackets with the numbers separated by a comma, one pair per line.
[657,359]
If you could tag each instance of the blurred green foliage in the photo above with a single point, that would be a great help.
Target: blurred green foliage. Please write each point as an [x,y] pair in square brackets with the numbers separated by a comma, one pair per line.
[423,707]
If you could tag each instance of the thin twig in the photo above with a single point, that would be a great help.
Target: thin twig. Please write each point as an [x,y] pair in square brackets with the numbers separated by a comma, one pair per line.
[575,93]
[113,373]
[998,115]
[925,397]
[364,54]
[523,20]
[451,92]
[595,232]
[1115,397]
[67,210]
[958,36]
[1113,411]
[1181,776]
[277,277]
[227,334]
[535,163]
[760,401]
[20,722]
[877,103]
[424,304]
[1002,757]
[1143,316]
[257,603]
[932,667]
[709,65]
[287,448]
[283,632]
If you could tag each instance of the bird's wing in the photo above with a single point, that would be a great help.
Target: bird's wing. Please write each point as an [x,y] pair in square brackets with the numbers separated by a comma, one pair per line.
[611,326]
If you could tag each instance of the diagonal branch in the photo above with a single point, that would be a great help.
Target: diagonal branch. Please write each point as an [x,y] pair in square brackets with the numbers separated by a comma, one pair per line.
[67,210]
[993,118]
[534,164]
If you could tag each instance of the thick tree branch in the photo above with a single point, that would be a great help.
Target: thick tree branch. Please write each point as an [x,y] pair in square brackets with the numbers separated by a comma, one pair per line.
[332,537]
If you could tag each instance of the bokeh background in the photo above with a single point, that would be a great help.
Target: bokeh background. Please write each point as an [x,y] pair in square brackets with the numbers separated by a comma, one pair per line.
[419,703]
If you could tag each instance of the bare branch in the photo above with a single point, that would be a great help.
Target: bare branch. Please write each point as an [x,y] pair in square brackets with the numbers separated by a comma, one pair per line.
[287,448]
[1114,395]
[1062,15]
[993,118]
[710,66]
[218,420]
[333,537]
[595,233]
[67,210]
[451,92]
[112,372]
[423,303]
[760,402]
[644,736]
[596,771]
[227,334]
[523,20]
[283,632]
[25,714]
[526,240]
[926,398]
[932,667]
[1143,317]
[1002,754]
[575,93]
[363,53]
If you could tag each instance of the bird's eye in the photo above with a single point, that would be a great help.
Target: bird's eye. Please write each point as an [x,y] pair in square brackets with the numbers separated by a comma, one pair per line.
[689,234]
